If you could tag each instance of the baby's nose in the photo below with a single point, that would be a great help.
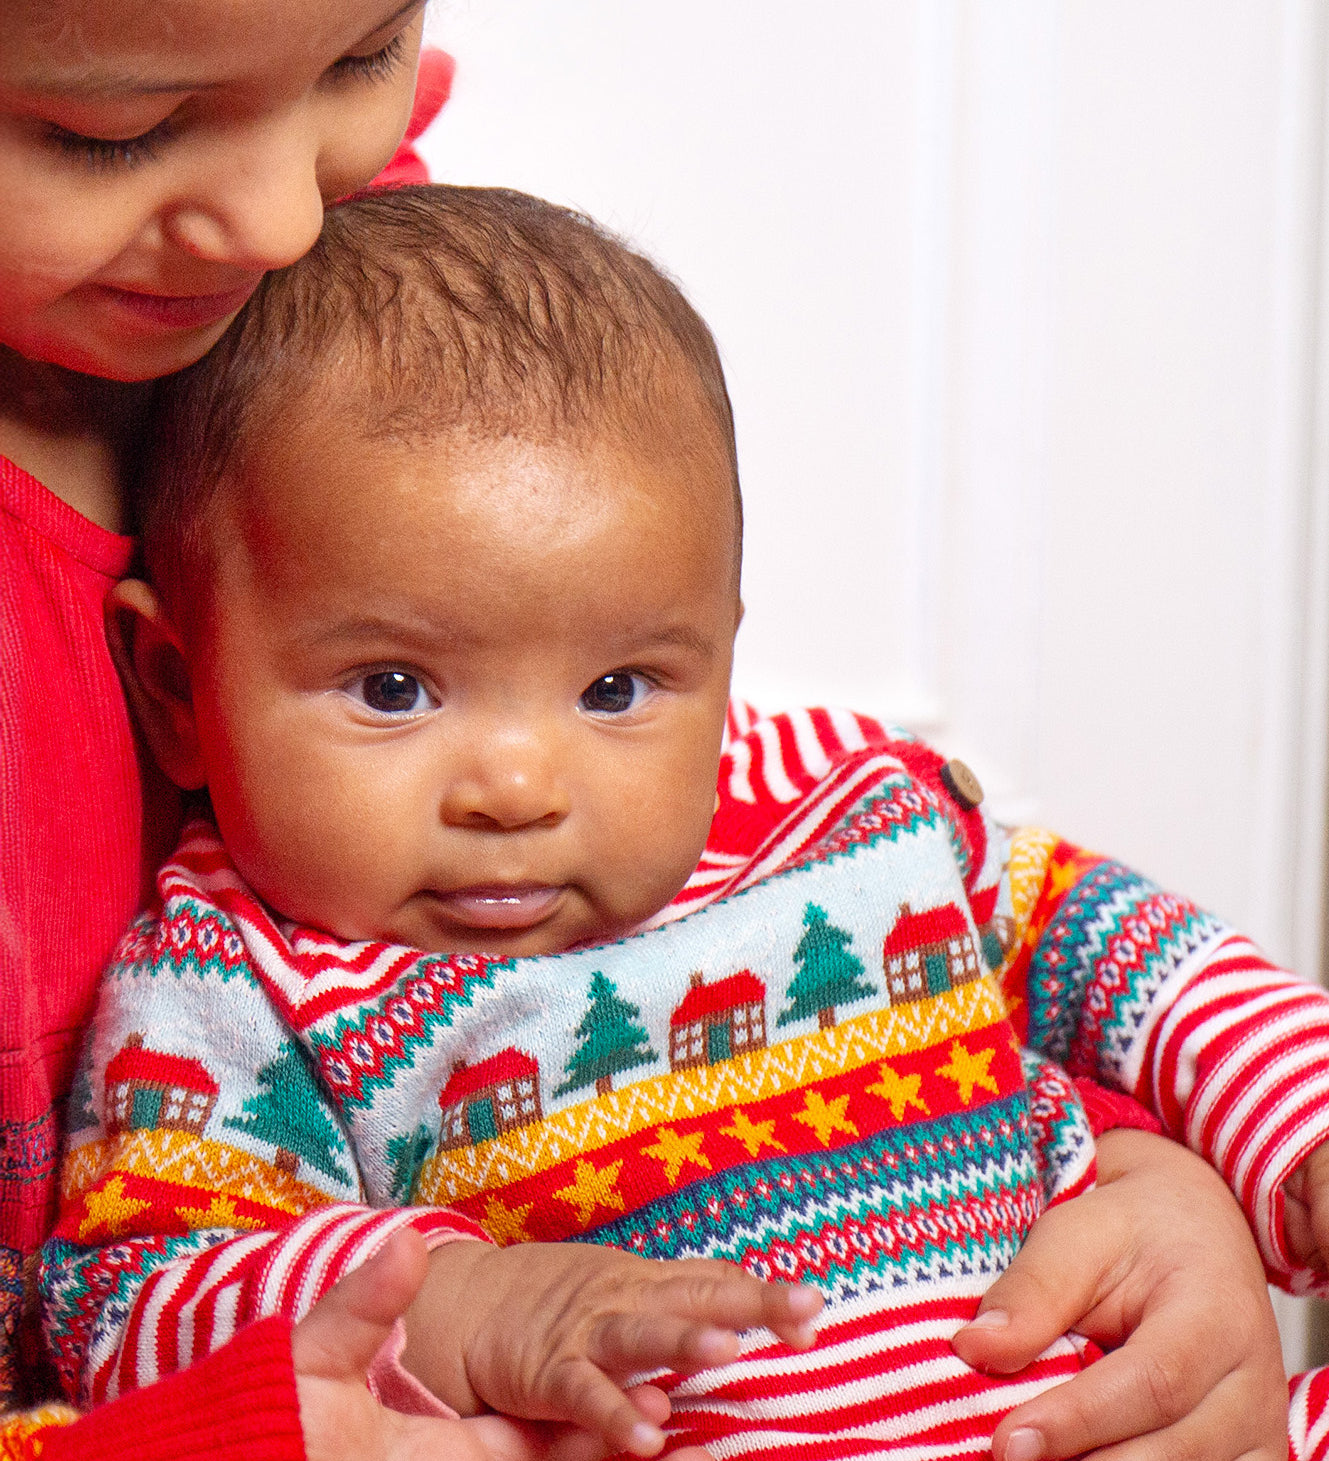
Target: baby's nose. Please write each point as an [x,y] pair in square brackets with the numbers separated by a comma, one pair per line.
[513,786]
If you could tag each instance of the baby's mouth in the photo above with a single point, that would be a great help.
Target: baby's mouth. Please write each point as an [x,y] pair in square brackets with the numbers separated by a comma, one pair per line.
[500,907]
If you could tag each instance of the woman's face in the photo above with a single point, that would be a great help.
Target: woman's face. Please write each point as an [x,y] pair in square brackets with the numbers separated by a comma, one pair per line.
[157,157]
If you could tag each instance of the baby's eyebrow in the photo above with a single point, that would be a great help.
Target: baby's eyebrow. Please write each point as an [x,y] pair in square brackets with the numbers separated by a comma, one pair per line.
[680,636]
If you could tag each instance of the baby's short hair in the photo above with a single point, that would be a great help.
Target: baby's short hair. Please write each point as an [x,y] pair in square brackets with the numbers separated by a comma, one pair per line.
[471,309]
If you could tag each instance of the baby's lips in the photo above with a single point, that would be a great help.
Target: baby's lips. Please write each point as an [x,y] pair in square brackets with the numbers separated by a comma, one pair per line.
[501,906]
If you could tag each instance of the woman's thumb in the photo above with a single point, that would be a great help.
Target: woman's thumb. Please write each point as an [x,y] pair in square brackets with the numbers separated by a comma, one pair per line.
[342,1333]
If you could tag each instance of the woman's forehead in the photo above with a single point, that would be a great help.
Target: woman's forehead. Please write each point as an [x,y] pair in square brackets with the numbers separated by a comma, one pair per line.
[105,48]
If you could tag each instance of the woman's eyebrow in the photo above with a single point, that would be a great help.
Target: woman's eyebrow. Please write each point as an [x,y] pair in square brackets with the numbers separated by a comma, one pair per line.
[106,83]
[392,19]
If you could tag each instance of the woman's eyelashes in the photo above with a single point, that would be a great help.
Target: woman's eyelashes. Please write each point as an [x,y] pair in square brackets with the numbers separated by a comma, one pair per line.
[377,65]
[108,152]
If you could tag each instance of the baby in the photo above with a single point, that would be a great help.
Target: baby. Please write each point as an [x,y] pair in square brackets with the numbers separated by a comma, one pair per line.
[444,541]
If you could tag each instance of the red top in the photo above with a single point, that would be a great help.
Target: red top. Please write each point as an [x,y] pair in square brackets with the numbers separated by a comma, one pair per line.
[74,859]
[247,1391]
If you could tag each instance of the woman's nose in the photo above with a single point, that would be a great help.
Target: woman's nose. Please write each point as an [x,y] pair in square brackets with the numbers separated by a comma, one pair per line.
[258,206]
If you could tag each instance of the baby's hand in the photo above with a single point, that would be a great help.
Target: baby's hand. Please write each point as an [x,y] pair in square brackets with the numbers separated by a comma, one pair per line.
[1306,1210]
[334,1345]
[549,1331]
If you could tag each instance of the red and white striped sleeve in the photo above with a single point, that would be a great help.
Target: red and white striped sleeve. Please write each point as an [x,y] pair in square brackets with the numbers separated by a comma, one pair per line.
[192,1305]
[1308,1416]
[1233,1055]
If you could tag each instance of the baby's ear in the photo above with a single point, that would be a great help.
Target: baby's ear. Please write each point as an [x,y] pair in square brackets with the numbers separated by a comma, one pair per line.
[145,646]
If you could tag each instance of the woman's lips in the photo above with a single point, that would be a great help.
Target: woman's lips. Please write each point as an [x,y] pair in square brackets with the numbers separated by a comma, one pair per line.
[500,907]
[177,311]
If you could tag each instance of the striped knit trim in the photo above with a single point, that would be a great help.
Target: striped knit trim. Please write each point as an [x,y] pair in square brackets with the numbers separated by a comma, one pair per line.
[1308,1416]
[191,1308]
[828,1402]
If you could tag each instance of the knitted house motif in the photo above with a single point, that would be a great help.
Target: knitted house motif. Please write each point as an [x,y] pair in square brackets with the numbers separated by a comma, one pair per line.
[929,953]
[717,1021]
[148,1090]
[996,931]
[485,1100]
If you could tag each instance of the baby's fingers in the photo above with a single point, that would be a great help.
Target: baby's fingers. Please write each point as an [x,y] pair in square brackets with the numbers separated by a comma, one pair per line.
[624,1343]
[724,1295]
[790,1311]
[588,1400]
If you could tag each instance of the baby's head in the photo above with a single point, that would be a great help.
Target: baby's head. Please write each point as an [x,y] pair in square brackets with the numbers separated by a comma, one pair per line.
[445,538]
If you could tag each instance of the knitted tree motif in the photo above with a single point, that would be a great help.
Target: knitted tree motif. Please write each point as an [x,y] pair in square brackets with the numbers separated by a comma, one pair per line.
[407,1154]
[827,972]
[610,1041]
[289,1113]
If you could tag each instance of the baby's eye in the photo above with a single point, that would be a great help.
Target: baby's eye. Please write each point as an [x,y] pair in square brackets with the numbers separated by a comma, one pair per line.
[614,693]
[393,692]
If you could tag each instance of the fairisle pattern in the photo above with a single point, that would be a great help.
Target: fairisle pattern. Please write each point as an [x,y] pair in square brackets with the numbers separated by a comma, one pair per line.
[1129,985]
[816,1078]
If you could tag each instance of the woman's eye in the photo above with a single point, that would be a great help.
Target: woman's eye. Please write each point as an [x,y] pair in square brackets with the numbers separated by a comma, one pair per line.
[614,693]
[104,152]
[393,692]
[375,66]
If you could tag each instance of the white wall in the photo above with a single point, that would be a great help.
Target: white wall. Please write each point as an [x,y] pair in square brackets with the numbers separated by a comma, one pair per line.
[1019,301]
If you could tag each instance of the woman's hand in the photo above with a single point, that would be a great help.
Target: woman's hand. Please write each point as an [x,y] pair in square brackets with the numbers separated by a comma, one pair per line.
[1158,1267]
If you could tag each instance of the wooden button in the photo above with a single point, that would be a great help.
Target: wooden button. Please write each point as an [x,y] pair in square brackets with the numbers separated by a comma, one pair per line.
[962,784]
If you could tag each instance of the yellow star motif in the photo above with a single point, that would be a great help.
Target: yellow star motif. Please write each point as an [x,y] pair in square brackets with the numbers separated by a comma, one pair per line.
[219,1213]
[506,1224]
[676,1151]
[592,1188]
[1063,876]
[968,1070]
[901,1091]
[825,1118]
[753,1134]
[110,1208]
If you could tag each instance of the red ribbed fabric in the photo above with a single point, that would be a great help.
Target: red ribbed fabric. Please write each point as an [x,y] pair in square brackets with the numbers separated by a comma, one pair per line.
[246,1390]
[1111,1111]
[72,864]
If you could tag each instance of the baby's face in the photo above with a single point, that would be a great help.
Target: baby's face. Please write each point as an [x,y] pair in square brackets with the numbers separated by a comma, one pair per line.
[158,156]
[467,695]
